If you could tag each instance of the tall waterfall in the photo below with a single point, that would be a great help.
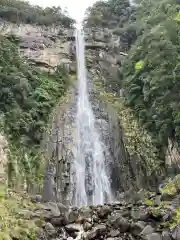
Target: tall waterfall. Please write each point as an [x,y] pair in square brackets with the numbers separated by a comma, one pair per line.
[91,180]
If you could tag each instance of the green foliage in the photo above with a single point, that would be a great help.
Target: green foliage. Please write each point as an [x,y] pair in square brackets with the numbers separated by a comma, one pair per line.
[18,11]
[15,219]
[172,187]
[151,71]
[136,139]
[106,14]
[27,97]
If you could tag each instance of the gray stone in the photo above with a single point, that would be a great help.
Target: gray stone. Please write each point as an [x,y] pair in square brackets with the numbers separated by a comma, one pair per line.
[87,226]
[86,213]
[101,228]
[157,200]
[113,219]
[139,214]
[91,234]
[141,194]
[166,235]
[154,236]
[50,229]
[118,222]
[176,232]
[73,216]
[62,208]
[104,211]
[114,233]
[123,225]
[51,207]
[147,230]
[136,228]
[72,228]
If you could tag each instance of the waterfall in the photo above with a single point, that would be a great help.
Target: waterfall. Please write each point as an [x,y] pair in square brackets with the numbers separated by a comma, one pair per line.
[91,180]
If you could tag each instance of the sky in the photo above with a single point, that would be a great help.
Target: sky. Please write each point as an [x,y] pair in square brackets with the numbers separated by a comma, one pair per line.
[76,8]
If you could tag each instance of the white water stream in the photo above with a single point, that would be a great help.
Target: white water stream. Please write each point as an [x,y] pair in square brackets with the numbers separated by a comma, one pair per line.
[91,182]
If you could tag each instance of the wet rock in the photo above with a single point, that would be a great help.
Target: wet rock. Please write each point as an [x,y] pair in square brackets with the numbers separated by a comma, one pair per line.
[73,216]
[114,233]
[91,234]
[95,218]
[139,214]
[104,211]
[86,213]
[50,229]
[72,228]
[136,228]
[118,222]
[87,226]
[154,236]
[147,230]
[62,208]
[113,219]
[101,228]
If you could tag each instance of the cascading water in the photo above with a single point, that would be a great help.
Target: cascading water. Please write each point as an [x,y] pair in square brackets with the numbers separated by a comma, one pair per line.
[91,181]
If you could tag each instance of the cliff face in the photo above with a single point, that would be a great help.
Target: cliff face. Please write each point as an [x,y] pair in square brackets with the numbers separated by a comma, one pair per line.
[44,59]
[45,47]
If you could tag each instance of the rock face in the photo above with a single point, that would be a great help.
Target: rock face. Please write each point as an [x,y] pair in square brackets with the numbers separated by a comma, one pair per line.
[105,222]
[3,160]
[46,47]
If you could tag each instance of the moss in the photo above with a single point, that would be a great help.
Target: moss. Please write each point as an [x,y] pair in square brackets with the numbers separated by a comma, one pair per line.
[172,186]
[15,220]
[176,218]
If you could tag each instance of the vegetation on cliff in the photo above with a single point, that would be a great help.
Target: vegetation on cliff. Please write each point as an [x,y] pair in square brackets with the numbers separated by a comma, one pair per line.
[18,11]
[27,98]
[150,73]
[151,70]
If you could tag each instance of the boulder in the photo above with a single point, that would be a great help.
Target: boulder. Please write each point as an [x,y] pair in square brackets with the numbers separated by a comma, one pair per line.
[49,228]
[154,236]
[147,230]
[104,211]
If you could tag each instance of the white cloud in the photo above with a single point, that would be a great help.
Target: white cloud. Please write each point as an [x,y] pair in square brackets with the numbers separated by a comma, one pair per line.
[76,8]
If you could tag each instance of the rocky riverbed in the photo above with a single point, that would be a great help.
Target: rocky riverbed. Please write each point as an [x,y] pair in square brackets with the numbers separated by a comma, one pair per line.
[116,221]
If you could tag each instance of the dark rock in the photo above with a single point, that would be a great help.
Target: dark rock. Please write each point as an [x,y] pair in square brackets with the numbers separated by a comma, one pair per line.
[126,213]
[91,234]
[118,222]
[136,228]
[72,228]
[139,214]
[87,226]
[50,229]
[104,211]
[36,199]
